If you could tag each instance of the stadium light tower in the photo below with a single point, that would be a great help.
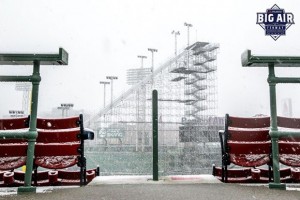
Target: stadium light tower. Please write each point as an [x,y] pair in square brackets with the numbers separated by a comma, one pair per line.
[111,78]
[175,34]
[142,58]
[152,52]
[65,107]
[188,32]
[188,42]
[16,113]
[26,88]
[104,83]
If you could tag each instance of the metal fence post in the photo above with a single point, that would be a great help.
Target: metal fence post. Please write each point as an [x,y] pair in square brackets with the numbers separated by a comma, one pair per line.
[155,134]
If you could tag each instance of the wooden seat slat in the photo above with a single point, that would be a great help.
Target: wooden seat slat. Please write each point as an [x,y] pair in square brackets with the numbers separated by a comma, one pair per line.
[248,135]
[56,149]
[250,122]
[287,122]
[13,149]
[14,123]
[58,136]
[249,147]
[63,123]
[289,148]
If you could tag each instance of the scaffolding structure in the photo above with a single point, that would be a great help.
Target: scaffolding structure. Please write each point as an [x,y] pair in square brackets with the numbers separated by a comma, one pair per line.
[187,106]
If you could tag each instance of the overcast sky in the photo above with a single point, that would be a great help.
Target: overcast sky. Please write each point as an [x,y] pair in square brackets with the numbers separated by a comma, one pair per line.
[104,37]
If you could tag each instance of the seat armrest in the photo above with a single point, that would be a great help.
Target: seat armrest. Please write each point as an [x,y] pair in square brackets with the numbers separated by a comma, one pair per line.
[88,134]
[221,136]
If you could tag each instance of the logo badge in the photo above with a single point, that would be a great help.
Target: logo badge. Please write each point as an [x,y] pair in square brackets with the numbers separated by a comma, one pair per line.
[275,21]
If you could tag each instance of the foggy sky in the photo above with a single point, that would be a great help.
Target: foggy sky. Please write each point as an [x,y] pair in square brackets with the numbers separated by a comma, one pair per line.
[104,37]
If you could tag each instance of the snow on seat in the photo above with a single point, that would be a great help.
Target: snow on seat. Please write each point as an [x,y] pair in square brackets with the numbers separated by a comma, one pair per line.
[246,142]
[255,175]
[261,175]
[12,151]
[57,149]
[73,177]
[58,142]
[249,154]
[235,175]
[295,174]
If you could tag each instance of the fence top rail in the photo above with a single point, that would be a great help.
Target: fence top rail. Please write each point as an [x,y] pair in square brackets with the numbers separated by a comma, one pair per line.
[27,59]
[250,60]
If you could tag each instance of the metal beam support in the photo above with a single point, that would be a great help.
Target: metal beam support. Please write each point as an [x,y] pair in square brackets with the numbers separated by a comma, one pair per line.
[32,128]
[285,134]
[283,80]
[275,154]
[249,60]
[28,59]
[13,78]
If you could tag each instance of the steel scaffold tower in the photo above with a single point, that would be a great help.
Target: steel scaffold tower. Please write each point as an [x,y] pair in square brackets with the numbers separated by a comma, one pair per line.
[187,107]
[186,93]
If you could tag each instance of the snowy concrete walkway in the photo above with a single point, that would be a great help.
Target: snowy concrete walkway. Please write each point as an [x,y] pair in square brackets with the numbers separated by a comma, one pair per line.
[186,187]
[189,179]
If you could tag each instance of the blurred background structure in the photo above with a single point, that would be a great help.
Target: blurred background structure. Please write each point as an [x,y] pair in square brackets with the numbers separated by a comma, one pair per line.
[188,122]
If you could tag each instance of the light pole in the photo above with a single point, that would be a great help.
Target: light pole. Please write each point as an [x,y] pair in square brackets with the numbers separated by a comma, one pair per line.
[111,78]
[16,113]
[65,107]
[175,34]
[26,88]
[142,58]
[152,52]
[188,32]
[188,42]
[104,87]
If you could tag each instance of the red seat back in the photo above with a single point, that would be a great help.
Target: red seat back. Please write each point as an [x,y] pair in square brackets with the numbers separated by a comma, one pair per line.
[61,123]
[14,123]
[247,140]
[248,122]
[58,142]
[13,151]
[289,147]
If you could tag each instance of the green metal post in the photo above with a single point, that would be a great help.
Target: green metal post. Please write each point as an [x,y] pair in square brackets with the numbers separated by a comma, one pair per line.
[32,129]
[274,137]
[155,134]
